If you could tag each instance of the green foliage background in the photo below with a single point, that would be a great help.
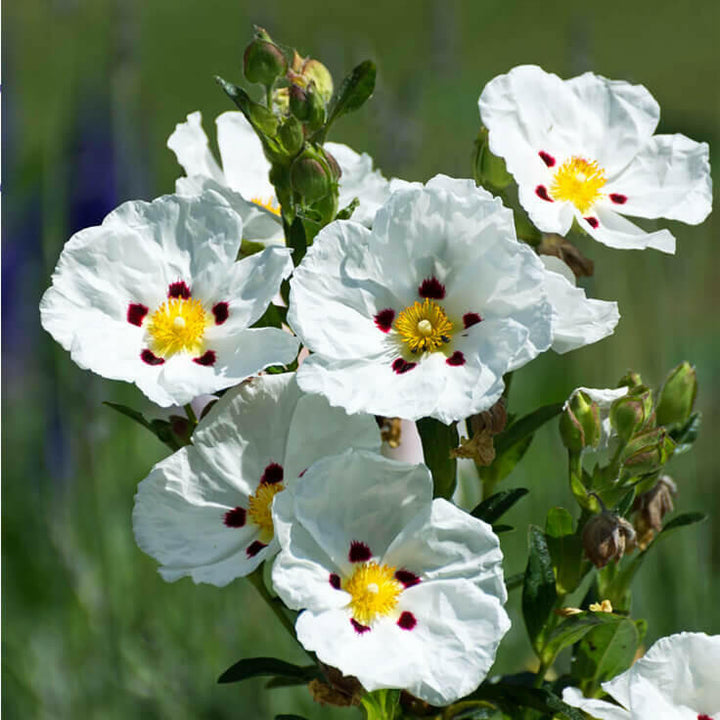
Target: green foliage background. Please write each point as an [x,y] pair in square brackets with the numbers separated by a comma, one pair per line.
[92,90]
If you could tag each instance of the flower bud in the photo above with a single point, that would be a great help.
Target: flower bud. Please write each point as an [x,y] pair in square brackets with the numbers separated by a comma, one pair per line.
[490,170]
[310,176]
[298,102]
[263,61]
[630,413]
[314,71]
[631,379]
[651,507]
[607,537]
[291,135]
[677,396]
[580,422]
[647,452]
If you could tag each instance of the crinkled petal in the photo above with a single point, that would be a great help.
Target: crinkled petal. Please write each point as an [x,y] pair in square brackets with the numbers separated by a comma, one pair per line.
[445,543]
[616,231]
[669,177]
[600,709]
[577,320]
[245,166]
[192,150]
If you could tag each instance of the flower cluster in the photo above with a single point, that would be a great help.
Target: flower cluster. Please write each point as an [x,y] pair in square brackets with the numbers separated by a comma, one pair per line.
[412,301]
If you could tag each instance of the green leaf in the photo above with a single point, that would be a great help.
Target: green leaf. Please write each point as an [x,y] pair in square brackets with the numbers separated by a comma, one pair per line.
[274,316]
[296,239]
[499,529]
[573,629]
[138,417]
[471,710]
[382,705]
[286,716]
[514,581]
[437,441]
[539,595]
[264,666]
[623,507]
[161,429]
[509,697]
[498,504]
[604,652]
[354,91]
[687,433]
[566,549]
[525,426]
[678,522]
[260,117]
[348,210]
[504,463]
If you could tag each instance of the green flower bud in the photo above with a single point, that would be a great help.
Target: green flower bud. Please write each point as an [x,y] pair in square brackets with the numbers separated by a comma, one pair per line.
[263,61]
[629,414]
[333,164]
[647,452]
[607,537]
[490,170]
[298,100]
[310,175]
[316,107]
[677,395]
[291,135]
[631,379]
[314,71]
[580,422]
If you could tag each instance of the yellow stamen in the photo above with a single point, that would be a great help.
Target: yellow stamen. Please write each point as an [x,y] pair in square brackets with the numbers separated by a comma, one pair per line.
[374,591]
[260,508]
[178,325]
[604,606]
[424,326]
[269,204]
[578,181]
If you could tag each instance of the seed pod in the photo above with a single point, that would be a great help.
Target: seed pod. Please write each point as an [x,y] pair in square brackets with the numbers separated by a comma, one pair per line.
[607,537]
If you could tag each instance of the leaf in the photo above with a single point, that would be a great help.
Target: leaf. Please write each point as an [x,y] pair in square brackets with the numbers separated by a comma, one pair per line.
[565,548]
[605,651]
[505,463]
[382,705]
[514,581]
[623,507]
[354,91]
[539,595]
[498,504]
[681,521]
[138,417]
[286,716]
[525,426]
[573,629]
[437,441]
[161,429]
[260,117]
[509,697]
[274,316]
[499,529]
[264,666]
[687,433]
[296,239]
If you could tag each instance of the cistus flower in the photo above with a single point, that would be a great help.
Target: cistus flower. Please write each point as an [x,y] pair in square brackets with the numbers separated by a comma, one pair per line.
[244,174]
[395,588]
[677,679]
[584,149]
[205,512]
[423,315]
[154,296]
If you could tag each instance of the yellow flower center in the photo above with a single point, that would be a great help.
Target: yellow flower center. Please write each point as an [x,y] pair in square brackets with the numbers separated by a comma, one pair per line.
[424,326]
[178,325]
[374,591]
[578,181]
[269,204]
[260,508]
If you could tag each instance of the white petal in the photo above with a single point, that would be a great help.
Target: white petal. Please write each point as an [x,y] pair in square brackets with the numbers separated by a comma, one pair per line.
[359,180]
[445,543]
[670,178]
[245,166]
[600,709]
[190,145]
[577,320]
[617,232]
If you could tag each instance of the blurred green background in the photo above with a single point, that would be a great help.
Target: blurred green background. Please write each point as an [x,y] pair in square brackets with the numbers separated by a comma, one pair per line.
[92,89]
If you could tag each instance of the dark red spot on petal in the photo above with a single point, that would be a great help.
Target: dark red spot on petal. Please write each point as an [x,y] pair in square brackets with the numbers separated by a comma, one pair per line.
[407,578]
[542,193]
[704,717]
[178,289]
[221,312]
[431,288]
[359,552]
[235,518]
[618,199]
[456,359]
[407,621]
[470,319]
[335,580]
[400,366]
[384,319]
[272,474]
[359,629]
[254,548]
[207,358]
[591,221]
[149,357]
[303,472]
[547,158]
[136,313]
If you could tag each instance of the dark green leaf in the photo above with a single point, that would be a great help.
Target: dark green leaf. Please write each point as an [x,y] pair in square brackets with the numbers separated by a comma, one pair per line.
[138,417]
[296,239]
[514,581]
[573,629]
[525,426]
[681,521]
[260,117]
[264,666]
[504,463]
[285,716]
[687,433]
[348,210]
[354,90]
[538,598]
[499,529]
[509,697]
[282,682]
[623,507]
[161,429]
[274,316]
[498,504]
[437,441]
[565,549]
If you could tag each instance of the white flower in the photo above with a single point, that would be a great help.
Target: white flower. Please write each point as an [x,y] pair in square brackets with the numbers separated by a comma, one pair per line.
[584,148]
[244,174]
[396,588]
[424,314]
[677,679]
[206,510]
[154,296]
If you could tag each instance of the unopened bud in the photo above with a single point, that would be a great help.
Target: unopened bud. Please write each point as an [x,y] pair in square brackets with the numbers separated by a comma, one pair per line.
[631,379]
[299,102]
[647,452]
[677,396]
[580,422]
[607,537]
[291,135]
[490,170]
[263,61]
[333,164]
[629,413]
[314,71]
[651,507]
[310,175]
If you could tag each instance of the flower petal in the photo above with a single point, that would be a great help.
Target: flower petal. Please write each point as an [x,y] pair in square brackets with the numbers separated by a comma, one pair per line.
[192,150]
[600,709]
[616,231]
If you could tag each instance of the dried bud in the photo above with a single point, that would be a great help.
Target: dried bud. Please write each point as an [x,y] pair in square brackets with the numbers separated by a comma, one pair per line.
[647,452]
[651,507]
[339,690]
[263,61]
[629,413]
[677,396]
[484,426]
[580,422]
[607,537]
[390,430]
[562,248]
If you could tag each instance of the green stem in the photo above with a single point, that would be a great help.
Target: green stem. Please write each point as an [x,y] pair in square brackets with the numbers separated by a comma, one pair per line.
[256,578]
[191,414]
